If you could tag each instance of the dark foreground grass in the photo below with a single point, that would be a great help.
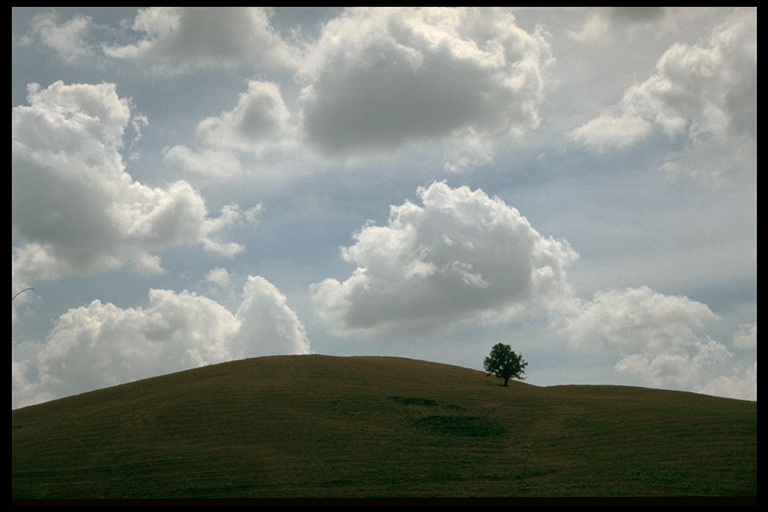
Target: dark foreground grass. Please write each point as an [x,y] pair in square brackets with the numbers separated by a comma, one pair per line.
[374,427]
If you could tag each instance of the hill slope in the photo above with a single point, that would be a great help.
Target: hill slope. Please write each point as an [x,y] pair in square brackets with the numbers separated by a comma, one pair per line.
[322,426]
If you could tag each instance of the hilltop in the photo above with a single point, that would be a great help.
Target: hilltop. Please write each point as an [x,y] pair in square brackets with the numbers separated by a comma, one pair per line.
[315,426]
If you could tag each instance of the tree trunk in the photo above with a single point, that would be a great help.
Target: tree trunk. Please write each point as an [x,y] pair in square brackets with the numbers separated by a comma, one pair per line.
[506,380]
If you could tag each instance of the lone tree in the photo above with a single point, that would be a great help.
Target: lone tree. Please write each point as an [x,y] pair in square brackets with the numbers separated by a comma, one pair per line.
[502,362]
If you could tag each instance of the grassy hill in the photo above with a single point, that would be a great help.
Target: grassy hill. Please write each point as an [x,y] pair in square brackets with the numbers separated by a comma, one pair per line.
[317,426]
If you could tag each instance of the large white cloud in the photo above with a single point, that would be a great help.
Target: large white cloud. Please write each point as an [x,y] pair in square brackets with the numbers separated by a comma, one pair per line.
[461,257]
[659,341]
[381,77]
[636,319]
[706,95]
[101,345]
[177,38]
[76,209]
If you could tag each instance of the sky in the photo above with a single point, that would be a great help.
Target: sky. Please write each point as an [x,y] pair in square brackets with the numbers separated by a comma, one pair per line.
[198,185]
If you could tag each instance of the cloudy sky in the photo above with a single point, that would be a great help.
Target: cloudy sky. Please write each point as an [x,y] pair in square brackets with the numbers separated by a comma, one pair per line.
[193,186]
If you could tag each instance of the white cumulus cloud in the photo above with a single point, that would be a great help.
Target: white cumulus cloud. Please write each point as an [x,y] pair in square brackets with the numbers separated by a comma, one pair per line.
[380,78]
[461,257]
[219,276]
[703,94]
[101,345]
[636,319]
[75,207]
[659,342]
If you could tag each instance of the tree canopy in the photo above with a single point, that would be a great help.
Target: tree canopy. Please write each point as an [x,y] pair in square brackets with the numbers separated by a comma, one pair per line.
[503,363]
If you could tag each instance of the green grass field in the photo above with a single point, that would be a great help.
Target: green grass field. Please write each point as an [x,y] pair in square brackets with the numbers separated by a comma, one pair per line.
[317,426]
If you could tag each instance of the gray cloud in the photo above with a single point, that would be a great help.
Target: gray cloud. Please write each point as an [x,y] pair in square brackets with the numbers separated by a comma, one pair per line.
[602,24]
[177,39]
[746,336]
[68,39]
[742,385]
[380,78]
[259,118]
